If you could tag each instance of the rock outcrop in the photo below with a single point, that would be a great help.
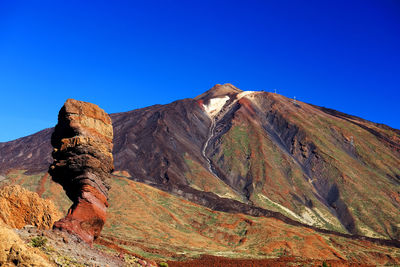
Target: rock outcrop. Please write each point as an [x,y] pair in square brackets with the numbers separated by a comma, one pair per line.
[14,251]
[20,207]
[83,162]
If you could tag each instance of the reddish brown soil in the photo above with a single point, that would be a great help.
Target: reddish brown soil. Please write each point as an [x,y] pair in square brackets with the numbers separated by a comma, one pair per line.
[122,251]
[40,190]
[103,242]
[208,260]
[114,241]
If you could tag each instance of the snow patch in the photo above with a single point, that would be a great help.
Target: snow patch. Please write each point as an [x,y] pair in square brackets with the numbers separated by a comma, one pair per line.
[215,105]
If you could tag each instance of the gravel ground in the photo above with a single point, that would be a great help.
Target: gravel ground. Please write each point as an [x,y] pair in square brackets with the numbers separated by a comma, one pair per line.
[64,249]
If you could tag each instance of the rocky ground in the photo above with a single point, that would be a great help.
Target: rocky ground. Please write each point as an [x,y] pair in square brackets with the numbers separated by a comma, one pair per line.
[63,249]
[31,246]
[15,252]
[27,238]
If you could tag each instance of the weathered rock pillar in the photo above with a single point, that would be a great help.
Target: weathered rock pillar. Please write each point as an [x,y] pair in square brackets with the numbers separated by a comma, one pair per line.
[83,162]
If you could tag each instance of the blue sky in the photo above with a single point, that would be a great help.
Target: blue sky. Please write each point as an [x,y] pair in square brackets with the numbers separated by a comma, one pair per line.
[124,55]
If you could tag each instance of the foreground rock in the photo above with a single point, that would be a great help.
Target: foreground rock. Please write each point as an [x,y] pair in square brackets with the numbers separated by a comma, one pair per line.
[34,244]
[83,161]
[19,207]
[14,251]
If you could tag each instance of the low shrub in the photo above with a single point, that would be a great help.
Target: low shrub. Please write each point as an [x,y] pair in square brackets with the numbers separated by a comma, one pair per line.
[38,241]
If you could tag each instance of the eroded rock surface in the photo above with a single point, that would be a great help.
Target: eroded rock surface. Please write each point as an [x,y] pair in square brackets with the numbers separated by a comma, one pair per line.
[83,162]
[20,207]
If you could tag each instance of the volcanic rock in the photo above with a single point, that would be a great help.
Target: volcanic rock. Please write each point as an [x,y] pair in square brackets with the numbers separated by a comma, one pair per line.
[83,162]
[20,207]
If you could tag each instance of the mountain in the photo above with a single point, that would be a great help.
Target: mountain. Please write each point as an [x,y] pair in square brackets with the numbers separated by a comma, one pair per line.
[256,153]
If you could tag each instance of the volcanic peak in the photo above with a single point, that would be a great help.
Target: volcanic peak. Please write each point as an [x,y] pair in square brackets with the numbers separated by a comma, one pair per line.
[219,90]
[214,100]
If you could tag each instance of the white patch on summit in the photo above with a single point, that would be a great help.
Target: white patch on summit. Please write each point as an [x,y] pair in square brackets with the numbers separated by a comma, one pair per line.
[244,93]
[215,105]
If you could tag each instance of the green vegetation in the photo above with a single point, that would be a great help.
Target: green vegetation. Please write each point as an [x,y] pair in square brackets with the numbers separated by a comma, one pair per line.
[38,241]
[280,252]
[242,229]
[236,149]
[163,264]
[200,178]
[63,260]
[120,181]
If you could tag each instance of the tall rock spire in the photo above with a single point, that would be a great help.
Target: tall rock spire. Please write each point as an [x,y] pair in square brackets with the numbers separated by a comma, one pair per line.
[83,162]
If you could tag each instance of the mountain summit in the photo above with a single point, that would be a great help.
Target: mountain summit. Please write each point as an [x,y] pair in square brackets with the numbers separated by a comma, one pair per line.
[219,90]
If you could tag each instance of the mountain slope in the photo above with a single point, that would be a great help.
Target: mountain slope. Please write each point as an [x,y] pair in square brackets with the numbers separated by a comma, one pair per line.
[320,167]
[155,224]
[314,165]
[32,153]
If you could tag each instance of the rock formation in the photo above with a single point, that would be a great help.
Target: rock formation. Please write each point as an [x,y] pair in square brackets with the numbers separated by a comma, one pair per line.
[83,162]
[20,207]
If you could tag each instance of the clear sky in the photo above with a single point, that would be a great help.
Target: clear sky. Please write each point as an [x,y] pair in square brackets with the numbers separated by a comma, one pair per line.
[124,55]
